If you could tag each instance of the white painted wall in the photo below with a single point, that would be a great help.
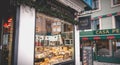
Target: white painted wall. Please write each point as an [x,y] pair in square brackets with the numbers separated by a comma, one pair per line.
[26,36]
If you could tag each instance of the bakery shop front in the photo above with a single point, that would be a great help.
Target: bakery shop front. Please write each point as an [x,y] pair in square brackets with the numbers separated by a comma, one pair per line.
[105,43]
[54,43]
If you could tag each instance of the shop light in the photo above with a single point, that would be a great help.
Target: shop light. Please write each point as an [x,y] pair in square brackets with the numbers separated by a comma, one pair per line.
[8,23]
[5,25]
[10,20]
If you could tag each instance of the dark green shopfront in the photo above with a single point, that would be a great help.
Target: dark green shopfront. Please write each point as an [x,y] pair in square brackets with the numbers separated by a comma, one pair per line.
[105,44]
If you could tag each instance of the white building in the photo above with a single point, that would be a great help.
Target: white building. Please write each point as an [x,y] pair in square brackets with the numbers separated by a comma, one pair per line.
[103,30]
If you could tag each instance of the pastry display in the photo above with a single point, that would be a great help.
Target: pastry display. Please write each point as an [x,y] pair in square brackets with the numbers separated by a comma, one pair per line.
[53,41]
[53,54]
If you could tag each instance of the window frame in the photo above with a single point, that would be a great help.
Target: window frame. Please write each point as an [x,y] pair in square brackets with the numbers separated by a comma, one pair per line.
[61,37]
[114,5]
[93,22]
[99,5]
[92,11]
[114,20]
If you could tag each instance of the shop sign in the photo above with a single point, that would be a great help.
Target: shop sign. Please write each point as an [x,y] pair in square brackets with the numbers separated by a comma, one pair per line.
[57,7]
[87,56]
[84,23]
[107,31]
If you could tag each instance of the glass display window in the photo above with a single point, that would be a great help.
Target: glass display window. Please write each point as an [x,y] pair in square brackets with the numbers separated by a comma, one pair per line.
[53,44]
[116,48]
[103,48]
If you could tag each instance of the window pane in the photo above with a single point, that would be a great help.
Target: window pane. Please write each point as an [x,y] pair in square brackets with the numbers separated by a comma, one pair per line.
[103,48]
[115,2]
[95,24]
[117,20]
[53,41]
[116,48]
[95,4]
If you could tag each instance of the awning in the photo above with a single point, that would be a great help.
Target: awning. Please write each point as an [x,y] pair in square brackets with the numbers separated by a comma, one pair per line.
[100,37]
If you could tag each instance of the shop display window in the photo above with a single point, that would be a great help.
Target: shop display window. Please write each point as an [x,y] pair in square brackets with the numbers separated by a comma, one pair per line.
[103,48]
[53,42]
[116,48]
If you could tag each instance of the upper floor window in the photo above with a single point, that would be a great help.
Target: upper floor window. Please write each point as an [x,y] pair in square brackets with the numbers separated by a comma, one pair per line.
[95,4]
[117,20]
[115,2]
[95,24]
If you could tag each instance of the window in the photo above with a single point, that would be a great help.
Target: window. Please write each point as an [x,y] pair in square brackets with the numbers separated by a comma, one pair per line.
[102,47]
[95,4]
[116,48]
[115,2]
[117,20]
[95,24]
[53,42]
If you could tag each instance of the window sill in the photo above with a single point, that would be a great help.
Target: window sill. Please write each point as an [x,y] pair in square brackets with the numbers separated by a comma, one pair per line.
[90,12]
[96,10]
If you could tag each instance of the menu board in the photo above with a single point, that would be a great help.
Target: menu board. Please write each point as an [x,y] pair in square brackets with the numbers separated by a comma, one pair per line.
[87,56]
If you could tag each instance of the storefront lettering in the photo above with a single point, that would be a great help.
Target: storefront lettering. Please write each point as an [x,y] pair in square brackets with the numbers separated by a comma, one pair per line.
[113,31]
[116,31]
[102,32]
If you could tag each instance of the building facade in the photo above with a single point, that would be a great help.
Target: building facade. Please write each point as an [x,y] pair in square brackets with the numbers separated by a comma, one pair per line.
[103,31]
[39,34]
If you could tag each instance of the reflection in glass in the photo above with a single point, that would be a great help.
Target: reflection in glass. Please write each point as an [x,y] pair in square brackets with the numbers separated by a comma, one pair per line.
[116,48]
[103,48]
[53,41]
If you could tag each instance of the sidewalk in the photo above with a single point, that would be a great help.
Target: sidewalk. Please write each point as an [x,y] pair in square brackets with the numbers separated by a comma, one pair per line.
[102,63]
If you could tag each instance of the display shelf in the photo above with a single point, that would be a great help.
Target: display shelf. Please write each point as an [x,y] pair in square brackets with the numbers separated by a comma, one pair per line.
[54,54]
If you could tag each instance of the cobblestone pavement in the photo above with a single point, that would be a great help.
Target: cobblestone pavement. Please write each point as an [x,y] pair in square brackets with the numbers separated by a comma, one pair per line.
[102,63]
